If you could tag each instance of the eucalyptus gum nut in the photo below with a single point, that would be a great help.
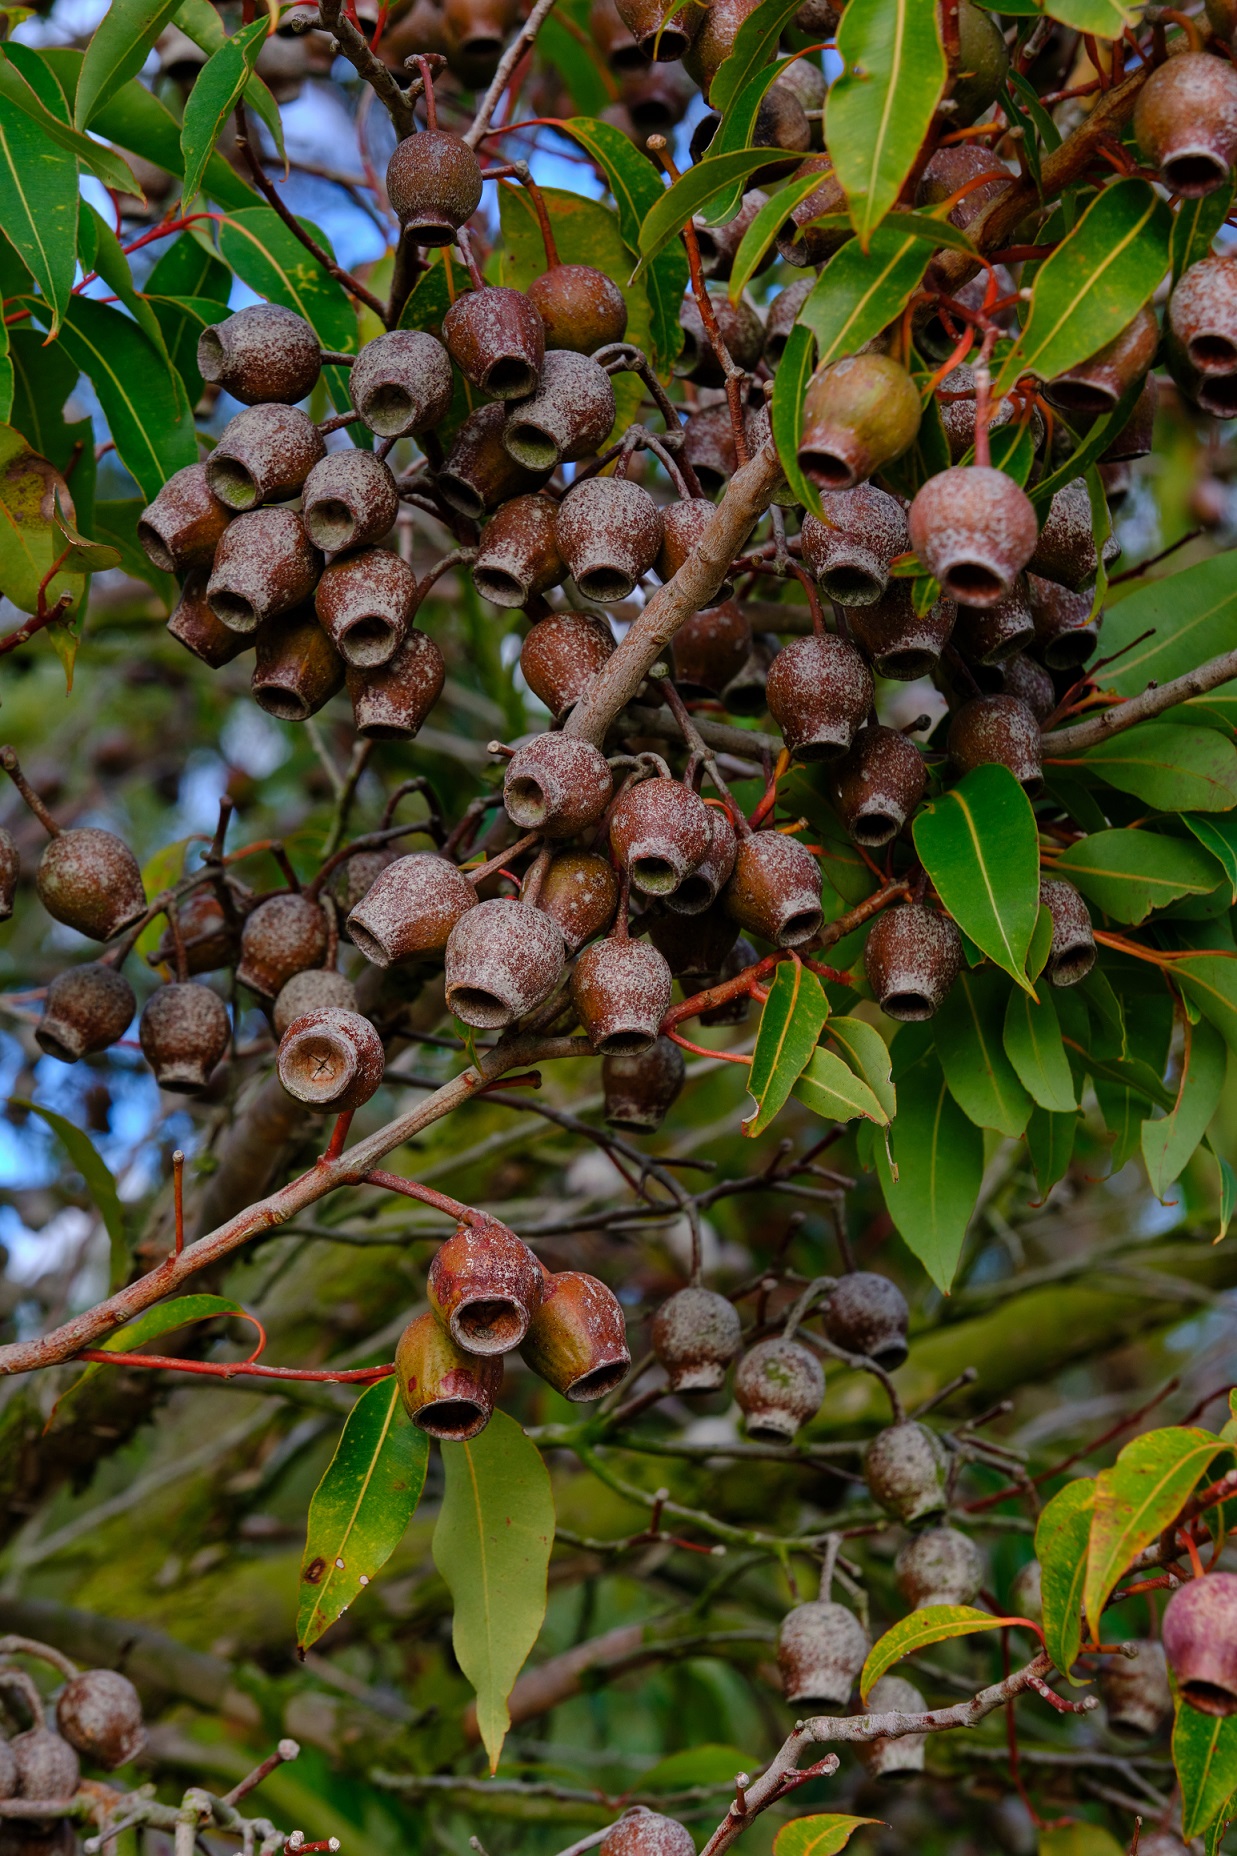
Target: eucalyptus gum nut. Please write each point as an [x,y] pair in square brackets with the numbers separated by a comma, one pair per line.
[733,1011]
[1065,551]
[85,1010]
[10,872]
[568,418]
[181,528]
[817,18]
[621,992]
[657,35]
[577,1338]
[699,891]
[284,935]
[714,30]
[474,33]
[349,500]
[194,625]
[1199,1634]
[660,832]
[807,80]
[1031,684]
[99,1713]
[858,415]
[696,1334]
[711,647]
[709,447]
[657,99]
[1138,1700]
[331,1060]
[819,691]
[821,1649]
[1093,387]
[940,1566]
[503,958]
[557,785]
[641,1090]
[1202,315]
[901,643]
[401,383]
[614,39]
[184,1032]
[745,693]
[683,525]
[902,1755]
[719,244]
[1213,391]
[974,530]
[647,1833]
[264,565]
[867,1313]
[263,455]
[446,1392]
[497,340]
[905,1468]
[580,892]
[609,532]
[912,956]
[781,123]
[1134,440]
[851,549]
[562,654]
[781,316]
[518,556]
[434,185]
[950,169]
[90,880]
[314,990]
[981,66]
[262,353]
[990,635]
[779,1384]
[1072,954]
[296,668]
[1065,633]
[391,701]
[581,309]
[1117,480]
[694,946]
[209,935]
[877,785]
[958,413]
[365,602]
[997,730]
[800,242]
[1185,123]
[775,889]
[1026,1593]
[47,1766]
[484,1284]
[741,330]
[410,908]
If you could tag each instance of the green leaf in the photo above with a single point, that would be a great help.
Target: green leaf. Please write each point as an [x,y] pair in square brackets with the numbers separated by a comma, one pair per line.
[818,1836]
[104,163]
[764,228]
[1095,282]
[860,292]
[1191,615]
[754,46]
[1172,768]
[879,109]
[138,120]
[85,1159]
[492,1546]
[215,94]
[1167,1144]
[790,1023]
[1130,873]
[112,265]
[199,21]
[29,541]
[164,1318]
[1195,225]
[80,555]
[940,1168]
[1061,1536]
[868,1056]
[1050,1139]
[1136,1499]
[361,1507]
[829,1087]
[38,204]
[1219,836]
[1033,1045]
[189,268]
[270,258]
[118,49]
[1209,980]
[1078,1839]
[6,373]
[709,1764]
[181,320]
[980,846]
[968,1027]
[790,384]
[1205,1756]
[690,194]
[1104,19]
[931,1624]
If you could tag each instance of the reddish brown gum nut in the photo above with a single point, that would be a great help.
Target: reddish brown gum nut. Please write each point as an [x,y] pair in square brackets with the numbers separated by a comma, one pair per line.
[581,309]
[184,1033]
[745,693]
[714,31]
[819,690]
[782,315]
[613,38]
[1117,480]
[331,1060]
[355,878]
[579,892]
[609,532]
[858,415]
[683,525]
[297,669]
[503,958]
[401,383]
[700,890]
[711,647]
[577,1338]
[1202,314]
[47,1766]
[284,935]
[990,635]
[434,185]
[480,473]
[733,1011]
[1065,551]
[905,1469]
[568,418]
[194,625]
[660,833]
[694,946]
[1072,954]
[518,555]
[802,243]
[562,654]
[696,1334]
[718,245]
[1065,632]
[557,785]
[975,530]
[821,1648]
[950,169]
[708,446]
[391,702]
[312,991]
[899,1756]
[1136,436]
[264,565]
[86,1009]
[1000,730]
[656,35]
[410,908]
[940,1567]
[180,530]
[497,340]
[349,501]
[621,991]
[1199,1635]
[89,880]
[484,1284]
[209,938]
[779,1384]
[867,1313]
[474,32]
[10,873]
[262,353]
[647,1833]
[912,957]
[741,330]
[902,643]
[850,551]
[365,602]
[775,889]
[1212,391]
[958,404]
[1185,121]
[640,1091]
[99,1712]
[878,785]
[263,456]
[1093,387]
[1138,1700]
[1030,683]
[447,1393]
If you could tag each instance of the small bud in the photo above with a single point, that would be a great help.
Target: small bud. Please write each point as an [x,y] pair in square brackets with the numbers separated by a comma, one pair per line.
[912,956]
[401,383]
[905,1468]
[819,692]
[184,1032]
[263,353]
[484,1284]
[621,991]
[447,1393]
[410,909]
[775,889]
[779,1384]
[641,1090]
[331,1060]
[696,1334]
[821,1648]
[86,1009]
[503,958]
[577,1338]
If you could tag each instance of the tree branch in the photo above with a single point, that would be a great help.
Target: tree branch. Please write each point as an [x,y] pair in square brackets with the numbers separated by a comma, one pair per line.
[1155,699]
[502,77]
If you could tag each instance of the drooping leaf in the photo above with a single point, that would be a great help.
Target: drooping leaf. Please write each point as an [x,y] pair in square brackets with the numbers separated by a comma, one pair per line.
[1130,873]
[939,1156]
[85,1158]
[187,267]
[829,1087]
[1172,768]
[1050,1139]
[77,553]
[980,846]
[217,89]
[1205,1758]
[818,1836]
[1209,981]
[1219,836]
[690,194]
[930,1624]
[791,1020]
[29,540]
[1195,225]
[361,1507]
[860,292]
[138,120]
[786,414]
[104,163]
[754,47]
[492,1546]
[118,49]
[969,1043]
[879,109]
[1168,1144]
[868,1056]
[1061,1536]
[766,225]
[1136,1500]
[199,21]
[1034,1047]
[1191,615]
[38,203]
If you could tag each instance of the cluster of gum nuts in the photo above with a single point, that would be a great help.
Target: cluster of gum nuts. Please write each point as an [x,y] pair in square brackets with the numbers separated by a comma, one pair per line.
[98,1718]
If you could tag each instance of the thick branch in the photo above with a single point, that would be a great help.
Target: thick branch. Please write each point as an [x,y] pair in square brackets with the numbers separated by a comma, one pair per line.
[1155,699]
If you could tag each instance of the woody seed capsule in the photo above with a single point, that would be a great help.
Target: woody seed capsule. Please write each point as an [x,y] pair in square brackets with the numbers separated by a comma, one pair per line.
[912,956]
[296,669]
[262,353]
[86,1009]
[518,554]
[265,564]
[696,1334]
[975,530]
[562,654]
[557,785]
[641,1090]
[660,832]
[484,1284]
[779,1385]
[851,549]
[434,185]
[1072,954]
[609,532]
[821,1648]
[331,1059]
[621,991]
[446,1392]
[819,691]
[264,456]
[284,935]
[775,889]
[184,1033]
[90,880]
[410,908]
[503,958]
[577,1337]
[904,1468]
[349,500]
[365,602]
[390,702]
[568,418]
[497,340]
[401,383]
[580,892]
[878,784]
[181,529]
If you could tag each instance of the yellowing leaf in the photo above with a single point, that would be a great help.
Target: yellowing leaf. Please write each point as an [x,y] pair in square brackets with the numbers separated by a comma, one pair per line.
[1135,1500]
[1061,1535]
[818,1836]
[932,1624]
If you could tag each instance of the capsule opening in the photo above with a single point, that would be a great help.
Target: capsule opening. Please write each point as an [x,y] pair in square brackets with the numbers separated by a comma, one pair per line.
[499,587]
[282,701]
[799,927]
[156,547]
[826,469]
[852,583]
[454,1420]
[971,583]
[606,585]
[1194,173]
[601,1380]
[1210,1698]
[389,410]
[491,1324]
[531,445]
[510,378]
[479,1007]
[233,610]
[369,640]
[331,524]
[909,1007]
